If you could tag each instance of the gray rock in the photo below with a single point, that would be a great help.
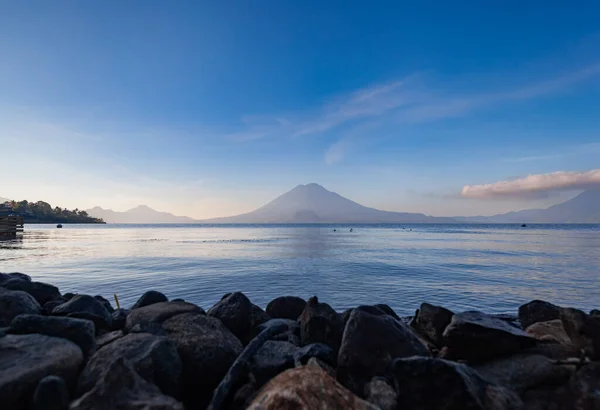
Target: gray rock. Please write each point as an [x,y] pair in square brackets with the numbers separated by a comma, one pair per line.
[149,298]
[159,312]
[271,359]
[537,311]
[258,316]
[583,330]
[319,323]
[381,394]
[370,343]
[477,337]
[235,311]
[437,384]
[108,338]
[207,350]
[6,277]
[123,388]
[26,359]
[431,321]
[51,393]
[42,292]
[86,307]
[14,303]
[318,350]
[292,334]
[79,331]
[153,358]
[119,317]
[387,310]
[105,303]
[286,307]
[49,306]
[522,372]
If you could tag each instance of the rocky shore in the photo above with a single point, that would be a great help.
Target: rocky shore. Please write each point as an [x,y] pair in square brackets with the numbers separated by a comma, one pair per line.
[79,352]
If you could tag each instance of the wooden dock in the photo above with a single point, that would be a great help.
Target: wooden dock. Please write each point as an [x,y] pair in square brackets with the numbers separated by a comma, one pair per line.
[11,225]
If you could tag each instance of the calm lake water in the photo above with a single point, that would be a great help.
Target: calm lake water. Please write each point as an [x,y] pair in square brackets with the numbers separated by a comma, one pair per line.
[493,268]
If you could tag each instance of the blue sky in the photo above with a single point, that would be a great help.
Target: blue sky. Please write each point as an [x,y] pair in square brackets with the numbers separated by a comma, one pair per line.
[213,108]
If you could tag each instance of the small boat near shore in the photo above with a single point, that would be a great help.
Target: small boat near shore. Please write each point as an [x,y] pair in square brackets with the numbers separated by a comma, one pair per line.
[59,226]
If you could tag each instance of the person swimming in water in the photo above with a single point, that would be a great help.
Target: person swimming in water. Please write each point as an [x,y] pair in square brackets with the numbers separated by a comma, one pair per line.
[351,229]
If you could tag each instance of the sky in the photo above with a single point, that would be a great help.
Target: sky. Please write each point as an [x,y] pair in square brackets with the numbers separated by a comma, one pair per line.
[207,109]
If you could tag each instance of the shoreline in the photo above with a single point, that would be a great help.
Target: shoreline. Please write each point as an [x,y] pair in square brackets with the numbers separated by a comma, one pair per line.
[83,352]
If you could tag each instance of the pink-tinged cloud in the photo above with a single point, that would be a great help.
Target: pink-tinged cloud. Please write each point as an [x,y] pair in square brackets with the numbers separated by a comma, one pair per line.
[534,184]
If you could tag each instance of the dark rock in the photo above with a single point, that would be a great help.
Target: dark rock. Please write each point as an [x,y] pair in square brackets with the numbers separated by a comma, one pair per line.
[583,390]
[178,300]
[207,350]
[119,317]
[431,321]
[98,321]
[68,296]
[14,303]
[271,359]
[306,388]
[42,292]
[151,328]
[381,394]
[258,316]
[49,306]
[477,337]
[243,396]
[149,298]
[541,398]
[235,311]
[105,303]
[51,394]
[319,323]
[108,338]
[123,388]
[85,307]
[387,310]
[7,277]
[437,384]
[522,372]
[583,330]
[159,312]
[369,345]
[79,331]
[153,358]
[318,350]
[537,311]
[595,312]
[292,334]
[26,359]
[551,331]
[286,307]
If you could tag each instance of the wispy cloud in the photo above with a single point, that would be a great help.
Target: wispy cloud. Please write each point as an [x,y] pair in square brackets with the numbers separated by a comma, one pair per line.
[534,184]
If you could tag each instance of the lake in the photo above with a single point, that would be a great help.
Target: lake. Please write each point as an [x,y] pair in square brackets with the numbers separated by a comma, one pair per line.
[493,268]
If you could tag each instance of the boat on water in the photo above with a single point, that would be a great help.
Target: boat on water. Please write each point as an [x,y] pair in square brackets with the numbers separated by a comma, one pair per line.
[59,226]
[523,225]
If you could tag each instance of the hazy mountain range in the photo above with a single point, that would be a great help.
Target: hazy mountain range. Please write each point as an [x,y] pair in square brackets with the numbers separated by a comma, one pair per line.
[312,203]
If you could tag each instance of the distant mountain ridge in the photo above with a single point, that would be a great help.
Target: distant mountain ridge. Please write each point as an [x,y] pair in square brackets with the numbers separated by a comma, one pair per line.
[138,215]
[584,208]
[312,203]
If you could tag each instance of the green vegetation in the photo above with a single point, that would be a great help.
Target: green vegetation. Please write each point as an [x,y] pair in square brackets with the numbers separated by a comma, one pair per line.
[42,212]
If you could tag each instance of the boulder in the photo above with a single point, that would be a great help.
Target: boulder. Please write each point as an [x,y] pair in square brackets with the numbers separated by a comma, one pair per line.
[235,311]
[49,306]
[271,359]
[85,307]
[105,303]
[431,321]
[286,307]
[258,316]
[477,337]
[7,277]
[292,334]
[243,396]
[583,390]
[119,317]
[319,323]
[387,310]
[26,359]
[594,312]
[522,372]
[537,311]
[79,331]
[207,350]
[381,394]
[306,388]
[123,388]
[51,393]
[154,358]
[551,331]
[149,298]
[42,292]
[14,303]
[108,338]
[583,330]
[437,384]
[317,350]
[159,312]
[370,343]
